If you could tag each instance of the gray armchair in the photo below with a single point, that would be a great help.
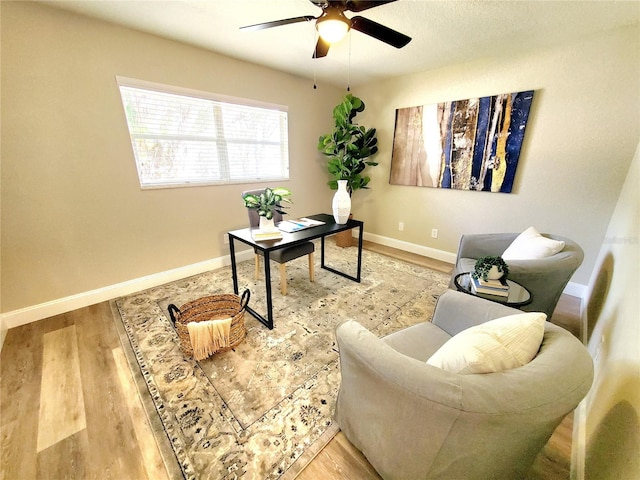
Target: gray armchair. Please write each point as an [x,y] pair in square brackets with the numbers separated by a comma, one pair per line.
[416,421]
[545,278]
[282,255]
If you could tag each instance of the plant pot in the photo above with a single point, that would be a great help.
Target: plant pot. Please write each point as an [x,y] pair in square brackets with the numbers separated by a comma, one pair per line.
[494,273]
[345,238]
[267,225]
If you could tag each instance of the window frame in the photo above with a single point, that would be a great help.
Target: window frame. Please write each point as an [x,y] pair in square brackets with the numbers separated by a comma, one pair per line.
[224,165]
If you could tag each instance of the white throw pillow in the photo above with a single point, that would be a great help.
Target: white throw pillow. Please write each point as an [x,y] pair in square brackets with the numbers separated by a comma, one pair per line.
[493,346]
[530,245]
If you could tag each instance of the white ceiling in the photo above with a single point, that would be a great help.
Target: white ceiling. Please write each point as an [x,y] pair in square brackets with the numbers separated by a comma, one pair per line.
[443,32]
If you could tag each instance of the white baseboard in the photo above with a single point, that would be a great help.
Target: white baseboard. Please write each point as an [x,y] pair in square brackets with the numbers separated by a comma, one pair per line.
[575,289]
[578,442]
[411,247]
[34,313]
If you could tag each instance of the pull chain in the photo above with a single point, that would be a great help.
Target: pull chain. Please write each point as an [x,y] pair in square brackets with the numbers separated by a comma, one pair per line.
[349,66]
[315,70]
[314,59]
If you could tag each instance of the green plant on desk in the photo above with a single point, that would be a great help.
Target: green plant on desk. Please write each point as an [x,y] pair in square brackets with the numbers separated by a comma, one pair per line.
[268,201]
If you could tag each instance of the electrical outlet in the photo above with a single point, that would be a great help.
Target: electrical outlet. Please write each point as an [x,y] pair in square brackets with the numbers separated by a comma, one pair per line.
[401,226]
[225,239]
[434,233]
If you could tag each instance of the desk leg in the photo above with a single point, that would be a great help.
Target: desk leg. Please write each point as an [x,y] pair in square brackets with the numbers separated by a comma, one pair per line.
[267,281]
[322,252]
[234,270]
[338,272]
[360,253]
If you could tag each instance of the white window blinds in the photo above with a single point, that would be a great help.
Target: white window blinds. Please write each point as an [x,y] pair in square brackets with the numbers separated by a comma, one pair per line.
[182,137]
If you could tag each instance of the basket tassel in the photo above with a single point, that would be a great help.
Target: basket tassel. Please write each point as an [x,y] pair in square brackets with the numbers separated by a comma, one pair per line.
[209,336]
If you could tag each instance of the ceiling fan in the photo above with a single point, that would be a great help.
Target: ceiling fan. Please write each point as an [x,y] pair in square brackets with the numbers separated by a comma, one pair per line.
[333,25]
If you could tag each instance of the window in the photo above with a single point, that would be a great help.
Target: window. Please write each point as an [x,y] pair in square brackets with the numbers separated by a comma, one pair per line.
[183,137]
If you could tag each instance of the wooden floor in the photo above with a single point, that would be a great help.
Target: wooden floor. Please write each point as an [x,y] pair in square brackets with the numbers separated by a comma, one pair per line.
[69,407]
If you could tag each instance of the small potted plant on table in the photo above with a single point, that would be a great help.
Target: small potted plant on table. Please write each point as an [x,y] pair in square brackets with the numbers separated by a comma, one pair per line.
[490,268]
[266,203]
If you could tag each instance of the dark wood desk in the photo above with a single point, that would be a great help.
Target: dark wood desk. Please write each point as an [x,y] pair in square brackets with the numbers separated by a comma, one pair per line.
[330,227]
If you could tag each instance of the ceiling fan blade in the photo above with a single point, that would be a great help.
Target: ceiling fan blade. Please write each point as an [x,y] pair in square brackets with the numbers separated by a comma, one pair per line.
[278,23]
[322,48]
[361,5]
[382,33]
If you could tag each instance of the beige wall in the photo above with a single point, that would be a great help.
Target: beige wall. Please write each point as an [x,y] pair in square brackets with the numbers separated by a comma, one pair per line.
[582,131]
[73,216]
[611,444]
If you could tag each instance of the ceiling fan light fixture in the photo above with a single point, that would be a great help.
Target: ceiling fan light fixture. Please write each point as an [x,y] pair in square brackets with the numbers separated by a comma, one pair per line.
[332,25]
[333,28]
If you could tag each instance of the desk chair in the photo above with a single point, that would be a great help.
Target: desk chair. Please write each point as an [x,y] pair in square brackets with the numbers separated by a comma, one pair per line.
[282,255]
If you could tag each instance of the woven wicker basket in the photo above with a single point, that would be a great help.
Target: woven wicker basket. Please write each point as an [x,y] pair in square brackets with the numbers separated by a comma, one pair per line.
[214,307]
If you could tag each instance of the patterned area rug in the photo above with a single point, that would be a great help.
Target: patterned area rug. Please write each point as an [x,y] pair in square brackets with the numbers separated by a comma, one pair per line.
[264,409]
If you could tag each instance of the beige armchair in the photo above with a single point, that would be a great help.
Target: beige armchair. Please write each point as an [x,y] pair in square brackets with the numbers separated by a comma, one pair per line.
[545,278]
[416,421]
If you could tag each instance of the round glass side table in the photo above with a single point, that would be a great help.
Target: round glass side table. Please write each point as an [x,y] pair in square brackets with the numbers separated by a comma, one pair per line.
[518,296]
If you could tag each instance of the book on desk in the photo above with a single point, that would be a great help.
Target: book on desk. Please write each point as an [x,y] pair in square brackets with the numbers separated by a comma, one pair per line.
[298,224]
[288,226]
[490,287]
[262,236]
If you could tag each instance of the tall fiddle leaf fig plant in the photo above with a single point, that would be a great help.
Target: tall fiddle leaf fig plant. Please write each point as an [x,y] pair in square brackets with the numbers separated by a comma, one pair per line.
[349,146]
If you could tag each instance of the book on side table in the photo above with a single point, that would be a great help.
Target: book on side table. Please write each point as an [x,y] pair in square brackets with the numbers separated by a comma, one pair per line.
[490,287]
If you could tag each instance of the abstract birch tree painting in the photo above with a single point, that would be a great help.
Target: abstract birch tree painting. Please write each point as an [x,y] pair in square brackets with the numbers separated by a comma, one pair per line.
[469,144]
